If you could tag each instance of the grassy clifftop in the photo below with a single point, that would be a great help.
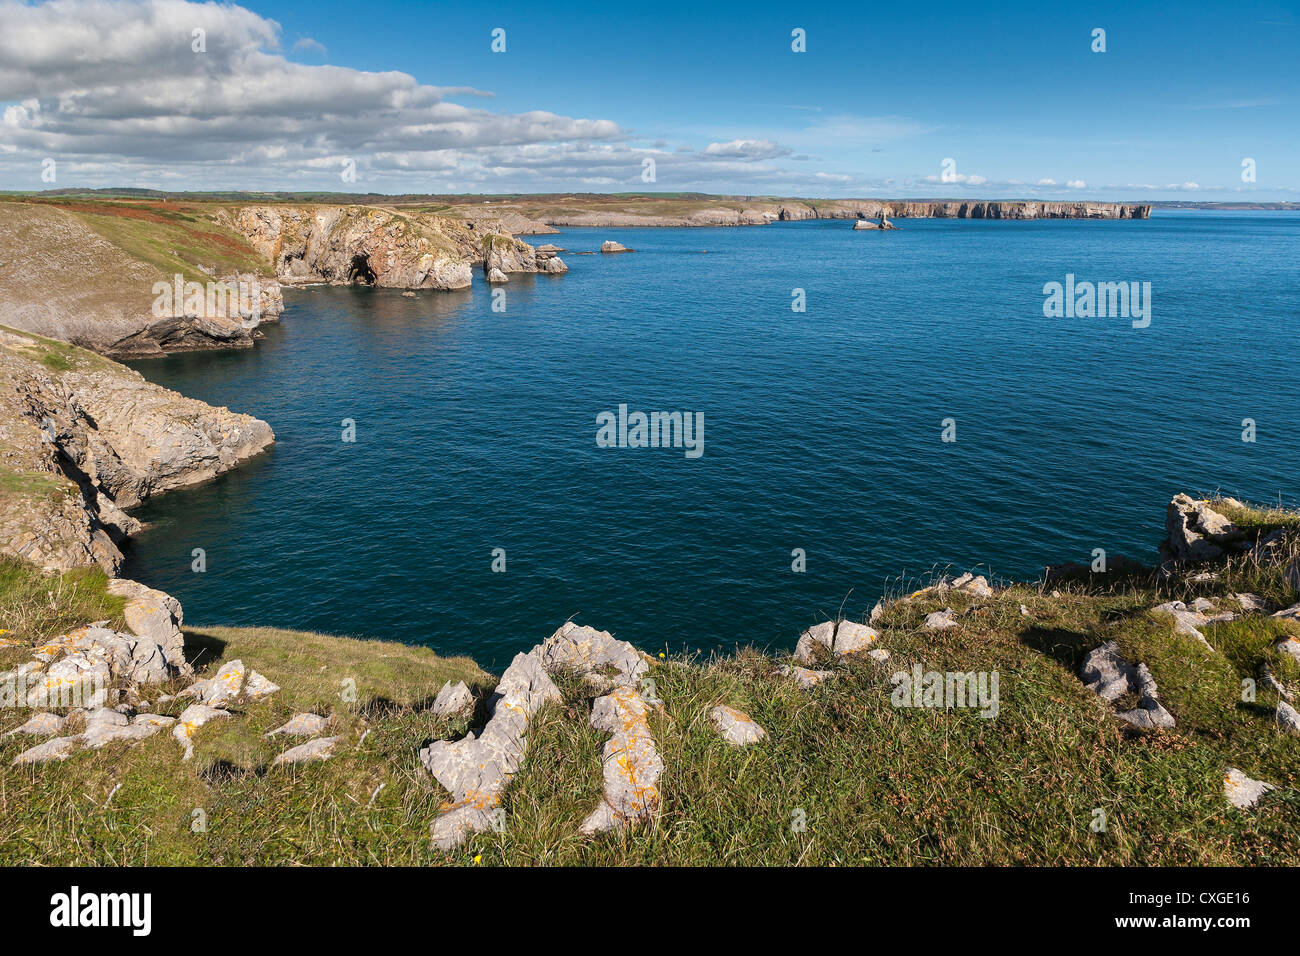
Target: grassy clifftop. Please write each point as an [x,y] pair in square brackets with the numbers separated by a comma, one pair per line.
[844,776]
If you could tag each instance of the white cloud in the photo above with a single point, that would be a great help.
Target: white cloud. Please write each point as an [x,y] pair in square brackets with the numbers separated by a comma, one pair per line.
[1047,182]
[1076,184]
[747,149]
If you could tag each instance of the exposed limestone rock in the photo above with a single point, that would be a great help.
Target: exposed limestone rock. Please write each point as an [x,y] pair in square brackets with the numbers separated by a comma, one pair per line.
[94,439]
[231,681]
[937,620]
[1187,620]
[301,725]
[1287,718]
[1252,603]
[806,678]
[1243,792]
[1269,546]
[60,748]
[40,725]
[1275,685]
[1291,613]
[74,678]
[156,617]
[833,639]
[192,718]
[602,660]
[736,727]
[106,726]
[631,763]
[1289,646]
[1196,531]
[496,276]
[610,246]
[453,701]
[355,244]
[1109,676]
[477,767]
[314,750]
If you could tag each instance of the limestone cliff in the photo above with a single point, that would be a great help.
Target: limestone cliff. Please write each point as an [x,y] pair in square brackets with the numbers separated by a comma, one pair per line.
[82,438]
[373,246]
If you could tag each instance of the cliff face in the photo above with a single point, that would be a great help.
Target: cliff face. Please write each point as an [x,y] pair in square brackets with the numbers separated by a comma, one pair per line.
[758,213]
[82,438]
[62,279]
[372,246]
[951,209]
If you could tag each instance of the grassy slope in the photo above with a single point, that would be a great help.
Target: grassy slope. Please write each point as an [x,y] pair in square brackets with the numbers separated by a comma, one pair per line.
[877,784]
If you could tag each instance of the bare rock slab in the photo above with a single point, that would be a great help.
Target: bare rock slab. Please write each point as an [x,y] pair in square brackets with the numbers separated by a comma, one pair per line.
[736,727]
[1108,675]
[192,718]
[301,725]
[805,677]
[1243,792]
[313,750]
[631,765]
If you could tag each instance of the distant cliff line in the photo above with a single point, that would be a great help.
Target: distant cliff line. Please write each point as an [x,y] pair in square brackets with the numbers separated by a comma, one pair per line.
[763,212]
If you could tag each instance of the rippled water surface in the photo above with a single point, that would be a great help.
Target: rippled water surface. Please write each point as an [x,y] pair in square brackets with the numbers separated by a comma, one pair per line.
[476,429]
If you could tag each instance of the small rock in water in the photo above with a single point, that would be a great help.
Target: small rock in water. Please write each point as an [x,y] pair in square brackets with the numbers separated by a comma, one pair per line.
[609,246]
[301,725]
[453,701]
[1243,792]
[320,749]
[496,277]
[736,727]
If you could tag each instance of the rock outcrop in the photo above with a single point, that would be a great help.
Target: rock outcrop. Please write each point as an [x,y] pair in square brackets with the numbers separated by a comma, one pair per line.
[736,727]
[1196,531]
[1110,677]
[833,640]
[90,438]
[64,280]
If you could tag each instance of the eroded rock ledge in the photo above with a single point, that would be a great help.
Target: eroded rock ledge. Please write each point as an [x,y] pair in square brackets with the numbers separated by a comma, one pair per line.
[87,438]
[371,246]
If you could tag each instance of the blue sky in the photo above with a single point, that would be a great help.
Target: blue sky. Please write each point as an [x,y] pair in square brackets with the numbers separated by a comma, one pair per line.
[288,93]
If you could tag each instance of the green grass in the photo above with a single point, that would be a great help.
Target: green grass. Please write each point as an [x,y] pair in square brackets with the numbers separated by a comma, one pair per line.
[35,605]
[872,783]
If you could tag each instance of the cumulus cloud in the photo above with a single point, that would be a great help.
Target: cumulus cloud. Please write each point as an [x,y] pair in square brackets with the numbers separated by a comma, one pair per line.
[1076,184]
[148,85]
[747,149]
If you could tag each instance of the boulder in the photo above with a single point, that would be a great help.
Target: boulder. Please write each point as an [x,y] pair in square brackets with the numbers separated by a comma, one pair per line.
[453,701]
[832,639]
[1187,620]
[60,748]
[40,725]
[1253,603]
[609,246]
[155,617]
[1108,675]
[496,276]
[1196,531]
[1243,792]
[805,677]
[937,620]
[1290,646]
[1287,718]
[736,727]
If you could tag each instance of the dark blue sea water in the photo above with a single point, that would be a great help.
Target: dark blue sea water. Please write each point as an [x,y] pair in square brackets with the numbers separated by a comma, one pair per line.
[476,429]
